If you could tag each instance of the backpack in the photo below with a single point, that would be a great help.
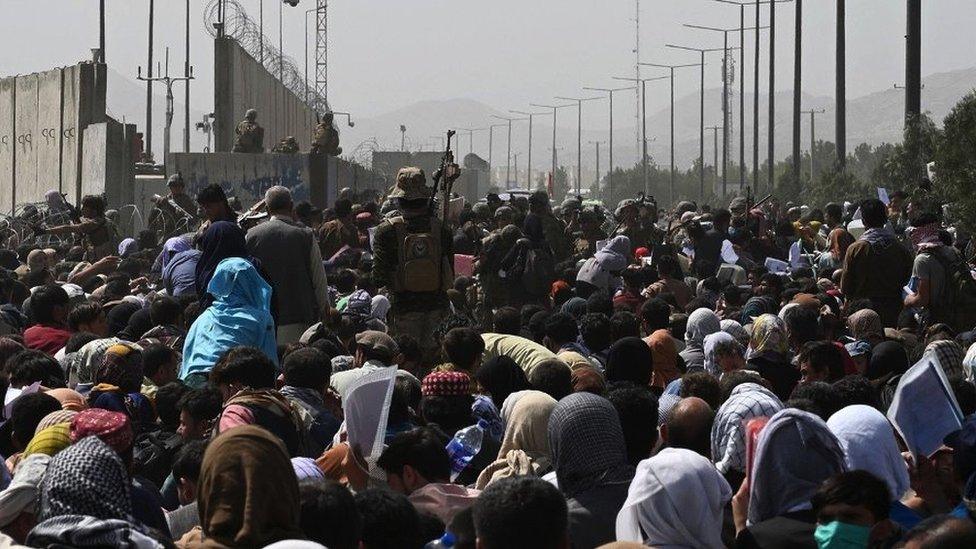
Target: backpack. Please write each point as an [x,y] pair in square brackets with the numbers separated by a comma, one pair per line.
[420,262]
[959,310]
[153,454]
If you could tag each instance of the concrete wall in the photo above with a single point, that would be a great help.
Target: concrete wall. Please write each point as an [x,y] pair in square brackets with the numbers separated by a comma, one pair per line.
[8,142]
[241,83]
[42,121]
[248,176]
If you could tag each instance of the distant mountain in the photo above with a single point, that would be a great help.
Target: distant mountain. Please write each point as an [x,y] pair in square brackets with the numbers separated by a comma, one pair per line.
[874,118]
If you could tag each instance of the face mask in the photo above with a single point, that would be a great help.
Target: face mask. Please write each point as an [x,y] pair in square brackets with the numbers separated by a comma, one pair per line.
[841,535]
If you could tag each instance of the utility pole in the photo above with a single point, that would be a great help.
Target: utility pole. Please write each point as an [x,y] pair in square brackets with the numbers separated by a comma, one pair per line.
[149,81]
[797,85]
[841,83]
[638,108]
[554,109]
[101,31]
[772,96]
[167,81]
[186,74]
[913,79]
[579,134]
[813,135]
[671,194]
[531,116]
[715,130]
[610,92]
[644,164]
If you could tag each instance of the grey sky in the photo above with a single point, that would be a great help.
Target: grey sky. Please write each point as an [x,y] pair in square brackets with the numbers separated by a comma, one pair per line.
[386,54]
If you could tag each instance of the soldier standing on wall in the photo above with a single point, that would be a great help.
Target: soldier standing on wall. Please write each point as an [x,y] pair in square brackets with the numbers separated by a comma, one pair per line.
[414,259]
[325,140]
[250,136]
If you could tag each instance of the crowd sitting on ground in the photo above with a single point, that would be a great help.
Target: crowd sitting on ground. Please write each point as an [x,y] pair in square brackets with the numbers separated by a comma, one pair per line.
[764,375]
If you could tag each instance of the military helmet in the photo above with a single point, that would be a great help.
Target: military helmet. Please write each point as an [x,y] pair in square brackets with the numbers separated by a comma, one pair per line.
[251,115]
[623,205]
[411,184]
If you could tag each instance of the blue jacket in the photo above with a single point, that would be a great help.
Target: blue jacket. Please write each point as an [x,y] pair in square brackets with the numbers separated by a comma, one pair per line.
[239,316]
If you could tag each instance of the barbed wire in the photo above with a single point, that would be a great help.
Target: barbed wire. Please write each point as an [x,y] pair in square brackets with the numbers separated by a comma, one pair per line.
[239,26]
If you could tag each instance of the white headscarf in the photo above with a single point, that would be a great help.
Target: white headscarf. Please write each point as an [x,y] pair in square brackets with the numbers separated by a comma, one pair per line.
[701,323]
[795,453]
[869,444]
[712,342]
[676,499]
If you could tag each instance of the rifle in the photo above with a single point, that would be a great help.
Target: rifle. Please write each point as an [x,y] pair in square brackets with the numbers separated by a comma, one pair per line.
[444,178]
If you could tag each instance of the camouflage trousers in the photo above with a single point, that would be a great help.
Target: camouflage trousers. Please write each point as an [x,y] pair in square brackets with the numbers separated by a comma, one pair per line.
[421,325]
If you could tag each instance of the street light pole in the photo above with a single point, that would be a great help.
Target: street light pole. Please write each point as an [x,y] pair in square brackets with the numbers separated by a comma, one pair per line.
[554,109]
[597,143]
[715,130]
[725,92]
[528,169]
[701,115]
[610,92]
[813,135]
[643,84]
[579,135]
[491,146]
[671,68]
[508,167]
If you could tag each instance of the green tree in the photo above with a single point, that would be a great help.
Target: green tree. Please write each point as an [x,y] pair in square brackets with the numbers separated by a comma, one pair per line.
[955,162]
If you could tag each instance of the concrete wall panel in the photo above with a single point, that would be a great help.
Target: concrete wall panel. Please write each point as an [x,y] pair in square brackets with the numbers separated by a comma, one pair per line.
[8,143]
[70,137]
[27,136]
[48,141]
[247,176]
[241,83]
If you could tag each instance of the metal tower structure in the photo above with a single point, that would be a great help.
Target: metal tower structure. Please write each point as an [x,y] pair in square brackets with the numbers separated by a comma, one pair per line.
[322,49]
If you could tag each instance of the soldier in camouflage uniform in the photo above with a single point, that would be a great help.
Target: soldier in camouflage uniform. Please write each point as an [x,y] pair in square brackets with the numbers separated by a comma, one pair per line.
[288,145]
[250,136]
[590,232]
[413,257]
[325,140]
[641,232]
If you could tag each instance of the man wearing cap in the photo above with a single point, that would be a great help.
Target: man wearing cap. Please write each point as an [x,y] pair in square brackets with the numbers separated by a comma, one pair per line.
[250,136]
[290,256]
[374,350]
[413,257]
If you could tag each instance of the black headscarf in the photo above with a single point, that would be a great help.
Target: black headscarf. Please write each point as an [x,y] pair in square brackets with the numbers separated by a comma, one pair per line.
[630,359]
[118,317]
[221,240]
[888,357]
[500,377]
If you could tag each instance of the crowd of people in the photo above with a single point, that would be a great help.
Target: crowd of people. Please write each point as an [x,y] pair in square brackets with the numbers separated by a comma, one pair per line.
[528,373]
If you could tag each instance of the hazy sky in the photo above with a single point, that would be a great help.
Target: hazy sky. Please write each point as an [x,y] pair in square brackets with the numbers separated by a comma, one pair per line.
[386,54]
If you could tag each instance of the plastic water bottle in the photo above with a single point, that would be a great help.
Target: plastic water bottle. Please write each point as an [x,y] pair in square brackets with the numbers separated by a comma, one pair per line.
[445,542]
[464,446]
